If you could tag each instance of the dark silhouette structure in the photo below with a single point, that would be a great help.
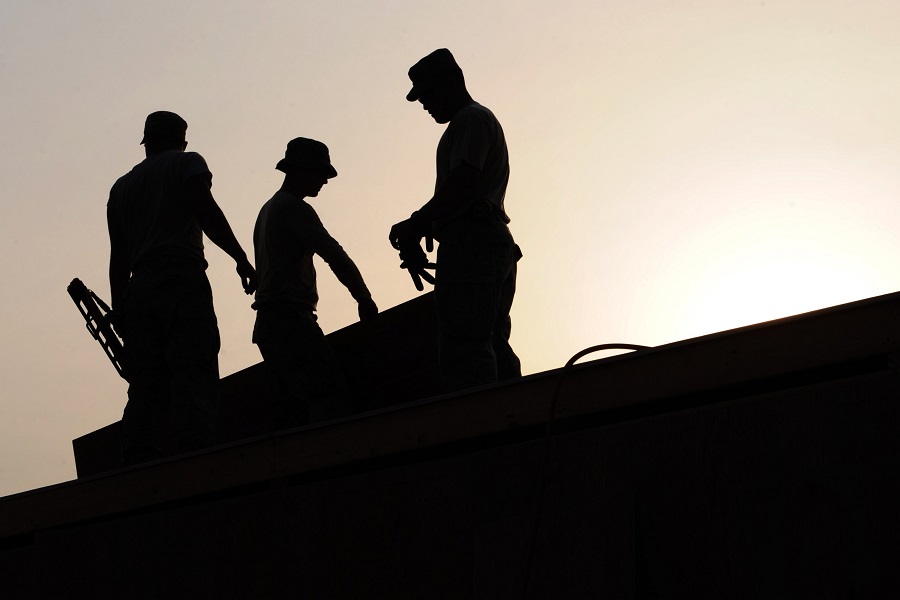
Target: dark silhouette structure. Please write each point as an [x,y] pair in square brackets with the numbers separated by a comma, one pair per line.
[753,463]
[96,314]
[390,360]
[306,379]
[477,256]
[157,215]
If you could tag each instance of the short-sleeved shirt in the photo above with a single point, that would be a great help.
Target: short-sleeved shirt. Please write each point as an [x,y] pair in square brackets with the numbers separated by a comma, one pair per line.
[287,234]
[149,205]
[474,136]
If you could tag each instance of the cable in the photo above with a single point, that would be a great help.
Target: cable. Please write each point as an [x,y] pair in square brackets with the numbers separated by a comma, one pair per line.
[548,430]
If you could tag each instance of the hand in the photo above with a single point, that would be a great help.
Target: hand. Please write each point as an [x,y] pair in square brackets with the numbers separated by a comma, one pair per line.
[367,309]
[407,232]
[416,261]
[248,276]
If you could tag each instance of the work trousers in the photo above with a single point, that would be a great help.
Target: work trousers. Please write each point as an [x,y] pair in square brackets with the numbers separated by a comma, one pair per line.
[171,348]
[305,380]
[476,283]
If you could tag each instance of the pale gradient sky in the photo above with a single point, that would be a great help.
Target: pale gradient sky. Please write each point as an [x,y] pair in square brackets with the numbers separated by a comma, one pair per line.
[678,167]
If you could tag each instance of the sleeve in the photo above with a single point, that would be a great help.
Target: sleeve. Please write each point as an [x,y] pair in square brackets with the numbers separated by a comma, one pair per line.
[194,165]
[471,141]
[309,228]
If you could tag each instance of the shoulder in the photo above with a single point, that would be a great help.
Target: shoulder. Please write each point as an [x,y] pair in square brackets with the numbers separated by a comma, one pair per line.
[191,157]
[305,211]
[174,163]
[192,161]
[187,162]
[474,113]
[287,206]
[474,121]
[473,126]
[121,183]
[188,165]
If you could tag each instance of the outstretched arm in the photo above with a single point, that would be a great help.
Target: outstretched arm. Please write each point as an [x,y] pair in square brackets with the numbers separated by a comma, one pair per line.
[348,274]
[343,267]
[214,224]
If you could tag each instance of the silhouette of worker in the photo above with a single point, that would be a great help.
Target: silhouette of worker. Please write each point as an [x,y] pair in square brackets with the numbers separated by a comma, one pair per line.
[306,380]
[157,215]
[477,256]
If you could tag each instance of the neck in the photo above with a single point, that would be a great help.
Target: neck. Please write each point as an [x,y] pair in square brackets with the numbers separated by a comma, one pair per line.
[460,100]
[153,150]
[291,186]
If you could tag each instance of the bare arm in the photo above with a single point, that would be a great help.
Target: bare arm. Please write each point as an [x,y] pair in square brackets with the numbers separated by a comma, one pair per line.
[346,271]
[216,227]
[310,228]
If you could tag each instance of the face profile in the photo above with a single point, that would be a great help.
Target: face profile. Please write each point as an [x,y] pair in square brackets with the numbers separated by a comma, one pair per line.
[311,181]
[434,101]
[438,83]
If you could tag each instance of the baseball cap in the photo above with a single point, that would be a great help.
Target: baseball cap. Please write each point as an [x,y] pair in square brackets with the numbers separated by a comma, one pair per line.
[430,69]
[164,126]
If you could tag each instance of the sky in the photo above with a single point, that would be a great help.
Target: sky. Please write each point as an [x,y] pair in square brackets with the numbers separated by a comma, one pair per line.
[679,167]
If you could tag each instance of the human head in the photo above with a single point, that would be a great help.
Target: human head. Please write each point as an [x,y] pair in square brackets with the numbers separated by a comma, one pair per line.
[164,129]
[439,84]
[306,165]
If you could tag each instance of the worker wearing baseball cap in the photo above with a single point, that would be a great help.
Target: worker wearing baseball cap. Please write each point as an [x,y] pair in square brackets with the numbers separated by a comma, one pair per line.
[477,256]
[157,215]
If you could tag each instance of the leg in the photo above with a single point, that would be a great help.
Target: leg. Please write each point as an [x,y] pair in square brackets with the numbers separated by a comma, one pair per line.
[508,364]
[306,381]
[472,272]
[192,351]
[144,418]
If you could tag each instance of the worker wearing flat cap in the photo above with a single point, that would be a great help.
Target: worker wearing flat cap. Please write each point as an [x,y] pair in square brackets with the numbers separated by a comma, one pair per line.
[306,380]
[157,215]
[477,256]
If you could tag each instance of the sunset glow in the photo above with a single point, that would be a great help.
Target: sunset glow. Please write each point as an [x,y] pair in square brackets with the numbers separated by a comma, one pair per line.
[678,168]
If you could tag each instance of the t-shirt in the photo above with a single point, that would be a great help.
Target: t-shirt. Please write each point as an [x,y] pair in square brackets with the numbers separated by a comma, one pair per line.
[474,136]
[149,206]
[287,234]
